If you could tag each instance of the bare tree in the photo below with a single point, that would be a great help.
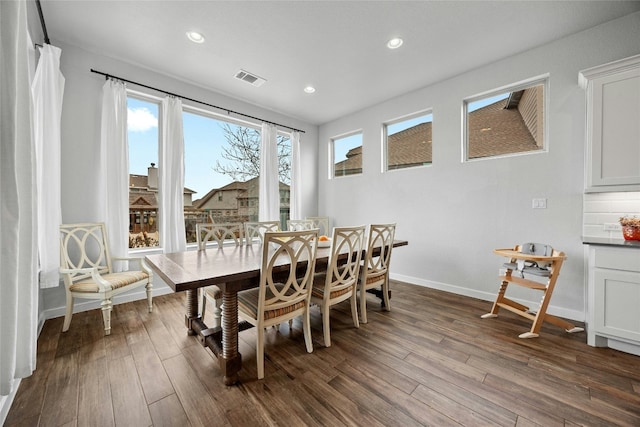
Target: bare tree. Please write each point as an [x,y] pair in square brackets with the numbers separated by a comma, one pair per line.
[242,154]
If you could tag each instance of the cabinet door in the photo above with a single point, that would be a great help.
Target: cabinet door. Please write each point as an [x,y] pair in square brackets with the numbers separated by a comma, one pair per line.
[613,125]
[617,303]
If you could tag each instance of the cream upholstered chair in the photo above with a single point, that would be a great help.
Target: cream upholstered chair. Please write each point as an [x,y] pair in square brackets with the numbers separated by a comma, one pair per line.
[280,298]
[340,280]
[299,224]
[253,230]
[219,233]
[321,222]
[88,270]
[375,270]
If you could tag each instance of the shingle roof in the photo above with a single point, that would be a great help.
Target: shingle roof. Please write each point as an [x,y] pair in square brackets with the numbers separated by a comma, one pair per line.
[494,130]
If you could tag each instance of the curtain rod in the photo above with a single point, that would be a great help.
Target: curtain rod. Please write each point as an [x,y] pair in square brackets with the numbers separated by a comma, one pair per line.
[195,100]
[44,26]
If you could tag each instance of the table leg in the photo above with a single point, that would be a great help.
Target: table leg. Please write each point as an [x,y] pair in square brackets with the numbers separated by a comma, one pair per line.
[231,360]
[192,310]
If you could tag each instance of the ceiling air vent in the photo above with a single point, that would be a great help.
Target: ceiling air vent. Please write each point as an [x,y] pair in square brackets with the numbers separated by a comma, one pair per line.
[250,78]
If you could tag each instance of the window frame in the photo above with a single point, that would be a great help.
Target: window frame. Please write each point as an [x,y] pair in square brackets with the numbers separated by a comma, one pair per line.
[540,80]
[385,139]
[332,152]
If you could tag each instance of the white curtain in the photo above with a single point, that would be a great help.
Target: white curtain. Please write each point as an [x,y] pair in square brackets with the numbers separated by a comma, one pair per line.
[295,202]
[269,198]
[48,89]
[114,174]
[18,212]
[171,179]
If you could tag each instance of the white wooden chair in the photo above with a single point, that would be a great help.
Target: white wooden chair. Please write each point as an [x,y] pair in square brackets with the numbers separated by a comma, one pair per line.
[256,230]
[88,270]
[281,298]
[299,224]
[375,271]
[220,233]
[321,222]
[340,280]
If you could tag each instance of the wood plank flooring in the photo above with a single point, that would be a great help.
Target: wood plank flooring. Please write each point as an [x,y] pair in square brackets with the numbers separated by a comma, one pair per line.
[430,361]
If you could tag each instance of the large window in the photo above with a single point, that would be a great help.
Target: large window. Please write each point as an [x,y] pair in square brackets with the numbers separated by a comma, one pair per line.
[506,121]
[143,137]
[222,168]
[347,154]
[408,141]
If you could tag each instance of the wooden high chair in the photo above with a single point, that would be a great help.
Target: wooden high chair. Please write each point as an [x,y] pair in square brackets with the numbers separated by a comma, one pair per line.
[527,260]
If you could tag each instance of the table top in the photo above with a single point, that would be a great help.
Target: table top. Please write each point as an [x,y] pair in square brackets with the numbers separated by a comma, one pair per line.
[230,266]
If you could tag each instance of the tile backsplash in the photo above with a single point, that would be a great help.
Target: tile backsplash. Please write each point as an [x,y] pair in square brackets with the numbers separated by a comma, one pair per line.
[601,208]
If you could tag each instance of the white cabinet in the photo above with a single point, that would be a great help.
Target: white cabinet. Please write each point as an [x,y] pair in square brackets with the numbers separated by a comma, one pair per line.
[613,125]
[613,315]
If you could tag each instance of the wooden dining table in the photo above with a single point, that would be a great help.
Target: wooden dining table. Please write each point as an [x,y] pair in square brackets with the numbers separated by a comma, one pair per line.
[232,269]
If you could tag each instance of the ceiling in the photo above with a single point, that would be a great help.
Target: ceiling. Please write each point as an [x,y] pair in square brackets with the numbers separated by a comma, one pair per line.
[337,46]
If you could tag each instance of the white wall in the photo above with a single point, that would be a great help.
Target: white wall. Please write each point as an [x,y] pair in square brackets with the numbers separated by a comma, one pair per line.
[81,136]
[454,214]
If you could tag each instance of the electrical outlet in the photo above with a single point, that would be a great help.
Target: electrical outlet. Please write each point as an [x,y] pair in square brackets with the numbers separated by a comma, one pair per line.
[612,226]
[539,203]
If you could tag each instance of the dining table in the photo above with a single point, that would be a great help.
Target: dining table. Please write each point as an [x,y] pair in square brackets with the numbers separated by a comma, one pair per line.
[232,269]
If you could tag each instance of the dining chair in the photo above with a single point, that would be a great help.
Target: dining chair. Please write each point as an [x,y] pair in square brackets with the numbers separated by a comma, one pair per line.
[230,233]
[299,224]
[375,270]
[340,280]
[89,272]
[253,230]
[283,293]
[321,222]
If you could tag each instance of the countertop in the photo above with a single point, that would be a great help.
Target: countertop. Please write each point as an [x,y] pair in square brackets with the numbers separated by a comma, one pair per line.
[605,241]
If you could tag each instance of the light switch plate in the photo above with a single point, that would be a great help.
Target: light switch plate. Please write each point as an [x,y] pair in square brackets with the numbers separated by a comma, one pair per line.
[539,203]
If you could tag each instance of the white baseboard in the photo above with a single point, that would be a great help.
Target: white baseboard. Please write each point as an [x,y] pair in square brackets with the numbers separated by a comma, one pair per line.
[576,315]
[6,401]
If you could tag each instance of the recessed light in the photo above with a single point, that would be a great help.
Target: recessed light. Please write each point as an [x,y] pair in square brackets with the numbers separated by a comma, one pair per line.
[195,36]
[395,43]
[309,89]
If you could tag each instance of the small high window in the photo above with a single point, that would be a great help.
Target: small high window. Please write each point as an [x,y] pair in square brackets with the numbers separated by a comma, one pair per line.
[347,155]
[506,121]
[408,141]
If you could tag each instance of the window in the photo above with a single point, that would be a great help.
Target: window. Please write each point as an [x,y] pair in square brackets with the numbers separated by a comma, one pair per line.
[347,155]
[222,165]
[408,141]
[506,121]
[143,136]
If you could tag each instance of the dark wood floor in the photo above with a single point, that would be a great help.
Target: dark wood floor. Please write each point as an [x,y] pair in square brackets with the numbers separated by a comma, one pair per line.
[430,361]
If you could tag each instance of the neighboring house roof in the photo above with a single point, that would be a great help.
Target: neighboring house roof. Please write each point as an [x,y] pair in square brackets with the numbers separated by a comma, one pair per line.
[410,147]
[494,130]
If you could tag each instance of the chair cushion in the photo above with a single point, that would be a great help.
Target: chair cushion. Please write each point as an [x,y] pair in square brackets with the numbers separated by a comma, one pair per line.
[374,278]
[116,280]
[248,303]
[319,285]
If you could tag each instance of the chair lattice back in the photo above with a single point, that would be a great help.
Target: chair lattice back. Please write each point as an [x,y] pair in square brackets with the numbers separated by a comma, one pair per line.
[380,235]
[343,275]
[84,246]
[299,224]
[321,222]
[256,230]
[220,233]
[297,248]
